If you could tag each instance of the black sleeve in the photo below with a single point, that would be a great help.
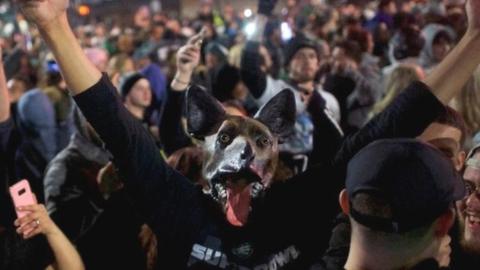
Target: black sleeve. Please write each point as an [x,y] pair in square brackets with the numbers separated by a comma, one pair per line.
[308,205]
[253,77]
[341,87]
[169,202]
[337,253]
[172,134]
[7,130]
[9,141]
[327,135]
[407,117]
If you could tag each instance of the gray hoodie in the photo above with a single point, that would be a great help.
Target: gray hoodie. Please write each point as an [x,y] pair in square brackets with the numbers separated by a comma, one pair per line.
[429,32]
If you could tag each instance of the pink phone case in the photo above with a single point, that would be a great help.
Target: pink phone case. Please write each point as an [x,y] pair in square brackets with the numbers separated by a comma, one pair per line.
[22,195]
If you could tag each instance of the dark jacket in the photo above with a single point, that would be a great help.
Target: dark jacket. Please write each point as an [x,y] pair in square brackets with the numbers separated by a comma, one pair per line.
[16,253]
[71,192]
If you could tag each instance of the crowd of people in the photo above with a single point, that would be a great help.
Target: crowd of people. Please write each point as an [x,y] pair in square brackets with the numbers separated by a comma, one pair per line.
[316,135]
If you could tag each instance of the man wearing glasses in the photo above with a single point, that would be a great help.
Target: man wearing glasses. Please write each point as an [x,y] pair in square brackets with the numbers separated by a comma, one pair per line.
[467,256]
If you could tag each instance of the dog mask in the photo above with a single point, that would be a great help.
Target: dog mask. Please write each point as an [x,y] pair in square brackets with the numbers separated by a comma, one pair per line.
[241,154]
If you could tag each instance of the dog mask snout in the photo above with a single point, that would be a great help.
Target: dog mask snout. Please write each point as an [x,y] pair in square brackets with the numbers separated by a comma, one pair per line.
[247,153]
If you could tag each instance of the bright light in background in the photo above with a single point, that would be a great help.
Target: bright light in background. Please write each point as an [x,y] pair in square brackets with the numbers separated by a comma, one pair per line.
[4,8]
[8,29]
[250,29]
[23,25]
[369,14]
[83,10]
[247,13]
[287,32]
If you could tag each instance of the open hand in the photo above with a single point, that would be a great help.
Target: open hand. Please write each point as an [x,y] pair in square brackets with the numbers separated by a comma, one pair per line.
[43,12]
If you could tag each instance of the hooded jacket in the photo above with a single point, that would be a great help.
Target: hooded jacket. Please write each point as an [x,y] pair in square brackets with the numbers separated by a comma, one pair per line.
[429,33]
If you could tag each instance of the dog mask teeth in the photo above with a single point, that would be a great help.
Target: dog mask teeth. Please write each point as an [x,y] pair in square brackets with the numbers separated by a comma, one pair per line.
[256,189]
[221,191]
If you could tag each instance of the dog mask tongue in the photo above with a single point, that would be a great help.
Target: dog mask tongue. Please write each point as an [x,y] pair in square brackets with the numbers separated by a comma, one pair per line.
[238,205]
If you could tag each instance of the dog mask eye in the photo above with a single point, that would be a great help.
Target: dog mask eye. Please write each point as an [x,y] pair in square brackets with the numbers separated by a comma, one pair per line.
[224,138]
[263,141]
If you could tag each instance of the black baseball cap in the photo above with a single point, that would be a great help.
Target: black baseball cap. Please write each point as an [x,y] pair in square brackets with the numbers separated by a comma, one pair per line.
[417,181]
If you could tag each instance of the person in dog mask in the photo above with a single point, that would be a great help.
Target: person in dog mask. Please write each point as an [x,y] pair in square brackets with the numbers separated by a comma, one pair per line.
[248,221]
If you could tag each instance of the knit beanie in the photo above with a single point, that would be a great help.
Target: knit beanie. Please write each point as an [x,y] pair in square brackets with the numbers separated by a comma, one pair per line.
[298,43]
[129,82]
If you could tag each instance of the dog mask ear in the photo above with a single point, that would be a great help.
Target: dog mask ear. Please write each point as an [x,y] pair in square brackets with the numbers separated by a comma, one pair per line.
[279,114]
[204,112]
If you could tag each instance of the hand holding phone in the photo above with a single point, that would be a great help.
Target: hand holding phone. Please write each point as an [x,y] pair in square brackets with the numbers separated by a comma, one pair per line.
[22,195]
[188,56]
[195,41]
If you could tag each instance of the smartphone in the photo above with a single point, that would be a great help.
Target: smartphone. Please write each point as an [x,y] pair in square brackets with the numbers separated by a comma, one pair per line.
[22,195]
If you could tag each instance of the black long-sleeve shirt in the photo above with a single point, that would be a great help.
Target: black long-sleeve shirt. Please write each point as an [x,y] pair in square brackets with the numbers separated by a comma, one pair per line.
[288,228]
[171,130]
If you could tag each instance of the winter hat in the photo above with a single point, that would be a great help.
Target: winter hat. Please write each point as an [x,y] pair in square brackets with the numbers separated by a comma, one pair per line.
[298,43]
[129,82]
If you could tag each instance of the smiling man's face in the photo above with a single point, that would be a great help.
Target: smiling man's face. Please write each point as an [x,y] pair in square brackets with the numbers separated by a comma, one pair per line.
[469,208]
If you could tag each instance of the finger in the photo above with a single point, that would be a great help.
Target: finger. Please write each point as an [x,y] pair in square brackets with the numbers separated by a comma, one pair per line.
[188,59]
[32,233]
[196,38]
[192,49]
[32,223]
[30,208]
[27,228]
[188,54]
[189,48]
[27,219]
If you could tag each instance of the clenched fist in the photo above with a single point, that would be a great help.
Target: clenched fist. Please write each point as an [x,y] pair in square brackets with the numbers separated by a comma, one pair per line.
[43,13]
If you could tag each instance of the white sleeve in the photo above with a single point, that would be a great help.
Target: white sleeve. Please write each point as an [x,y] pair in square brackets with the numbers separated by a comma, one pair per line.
[274,87]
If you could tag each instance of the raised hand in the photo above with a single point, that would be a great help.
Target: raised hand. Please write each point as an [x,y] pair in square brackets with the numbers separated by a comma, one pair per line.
[43,12]
[188,56]
[473,14]
[4,95]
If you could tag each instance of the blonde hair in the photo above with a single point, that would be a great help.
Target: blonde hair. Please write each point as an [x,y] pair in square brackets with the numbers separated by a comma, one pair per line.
[467,102]
[119,64]
[400,78]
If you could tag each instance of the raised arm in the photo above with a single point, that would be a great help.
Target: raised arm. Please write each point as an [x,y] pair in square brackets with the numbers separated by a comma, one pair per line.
[415,109]
[159,192]
[252,75]
[448,78]
[50,16]
[172,132]
[4,96]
